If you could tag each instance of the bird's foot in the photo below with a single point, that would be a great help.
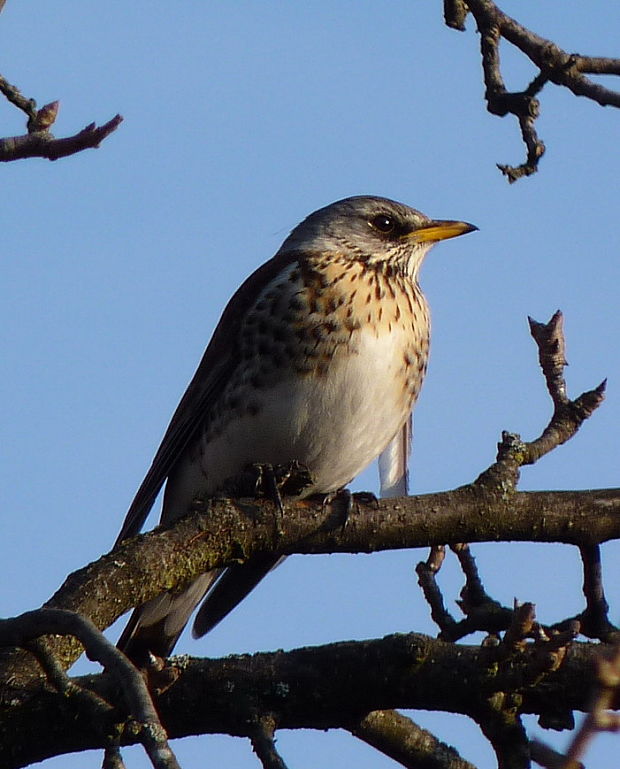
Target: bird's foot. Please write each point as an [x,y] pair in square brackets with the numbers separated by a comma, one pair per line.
[260,479]
[366,498]
[270,482]
[341,502]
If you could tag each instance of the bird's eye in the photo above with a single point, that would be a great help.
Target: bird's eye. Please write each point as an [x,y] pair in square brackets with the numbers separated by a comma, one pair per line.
[384,223]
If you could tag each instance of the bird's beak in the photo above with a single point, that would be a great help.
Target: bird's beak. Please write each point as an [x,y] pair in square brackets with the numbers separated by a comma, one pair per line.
[440,229]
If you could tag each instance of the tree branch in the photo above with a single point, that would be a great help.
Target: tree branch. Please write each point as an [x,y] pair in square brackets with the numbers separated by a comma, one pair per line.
[333,686]
[555,65]
[231,531]
[43,145]
[26,631]
[403,740]
[39,142]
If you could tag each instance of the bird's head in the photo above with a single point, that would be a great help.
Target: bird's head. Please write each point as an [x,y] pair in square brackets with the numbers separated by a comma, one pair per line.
[374,230]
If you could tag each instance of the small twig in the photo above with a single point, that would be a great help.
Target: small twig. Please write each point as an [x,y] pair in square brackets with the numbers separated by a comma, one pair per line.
[599,719]
[57,677]
[14,95]
[42,144]
[112,759]
[454,13]
[264,744]
[482,612]
[555,65]
[594,619]
[407,743]
[473,594]
[426,571]
[547,757]
[502,727]
[521,627]
[552,354]
[23,630]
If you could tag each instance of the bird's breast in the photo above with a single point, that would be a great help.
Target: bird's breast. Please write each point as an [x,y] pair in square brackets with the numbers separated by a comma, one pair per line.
[329,365]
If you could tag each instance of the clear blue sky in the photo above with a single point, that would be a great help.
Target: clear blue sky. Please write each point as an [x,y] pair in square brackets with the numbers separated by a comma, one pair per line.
[240,119]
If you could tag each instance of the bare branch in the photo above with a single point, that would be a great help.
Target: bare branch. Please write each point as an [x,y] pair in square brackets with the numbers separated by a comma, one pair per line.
[555,65]
[454,13]
[42,144]
[22,630]
[403,740]
[331,686]
[599,718]
[264,744]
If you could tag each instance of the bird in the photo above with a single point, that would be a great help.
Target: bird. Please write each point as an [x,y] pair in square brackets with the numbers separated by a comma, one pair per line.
[318,358]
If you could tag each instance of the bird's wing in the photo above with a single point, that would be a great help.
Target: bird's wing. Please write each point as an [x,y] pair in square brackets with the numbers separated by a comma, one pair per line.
[214,370]
[394,462]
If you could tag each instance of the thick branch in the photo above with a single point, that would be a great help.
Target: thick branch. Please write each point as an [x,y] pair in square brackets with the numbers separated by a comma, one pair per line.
[236,530]
[24,630]
[332,686]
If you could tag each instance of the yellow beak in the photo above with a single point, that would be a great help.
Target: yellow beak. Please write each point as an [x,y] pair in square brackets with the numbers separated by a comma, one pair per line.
[441,229]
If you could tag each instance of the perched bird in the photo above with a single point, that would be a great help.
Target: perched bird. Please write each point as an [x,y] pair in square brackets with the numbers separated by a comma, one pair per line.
[318,357]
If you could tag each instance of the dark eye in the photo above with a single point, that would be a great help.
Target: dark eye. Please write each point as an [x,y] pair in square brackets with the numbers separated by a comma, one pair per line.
[384,223]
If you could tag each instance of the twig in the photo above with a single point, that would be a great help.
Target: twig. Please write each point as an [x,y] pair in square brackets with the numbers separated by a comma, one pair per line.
[599,719]
[555,65]
[42,144]
[112,759]
[454,13]
[547,757]
[482,612]
[264,744]
[14,95]
[404,741]
[23,630]
[39,142]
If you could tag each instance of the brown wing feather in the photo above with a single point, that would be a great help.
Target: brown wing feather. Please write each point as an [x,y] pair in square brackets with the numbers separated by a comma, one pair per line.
[212,373]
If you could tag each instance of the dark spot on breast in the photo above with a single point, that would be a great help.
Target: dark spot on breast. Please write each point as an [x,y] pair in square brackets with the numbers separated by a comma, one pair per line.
[253,408]
[352,325]
[331,305]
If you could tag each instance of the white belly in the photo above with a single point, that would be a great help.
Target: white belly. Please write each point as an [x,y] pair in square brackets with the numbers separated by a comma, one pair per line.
[334,424]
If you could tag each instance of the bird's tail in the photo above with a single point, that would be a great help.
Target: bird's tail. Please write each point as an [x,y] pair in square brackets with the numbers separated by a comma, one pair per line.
[155,626]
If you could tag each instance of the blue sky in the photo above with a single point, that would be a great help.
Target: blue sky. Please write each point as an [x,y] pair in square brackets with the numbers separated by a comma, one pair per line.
[240,119]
